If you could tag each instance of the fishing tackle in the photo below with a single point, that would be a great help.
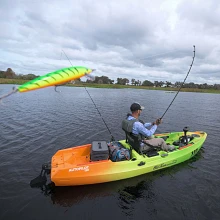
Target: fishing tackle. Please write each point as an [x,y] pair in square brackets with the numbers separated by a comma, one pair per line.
[55,78]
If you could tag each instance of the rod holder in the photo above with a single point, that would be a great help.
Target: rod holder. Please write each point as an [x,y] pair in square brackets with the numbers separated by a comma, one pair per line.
[185,130]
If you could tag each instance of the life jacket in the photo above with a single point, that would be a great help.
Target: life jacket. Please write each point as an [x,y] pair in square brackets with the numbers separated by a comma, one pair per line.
[133,139]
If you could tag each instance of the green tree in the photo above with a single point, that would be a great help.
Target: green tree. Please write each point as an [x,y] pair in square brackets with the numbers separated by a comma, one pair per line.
[2,74]
[168,84]
[216,86]
[122,81]
[102,80]
[178,84]
[136,83]
[10,74]
[159,84]
[132,81]
[147,83]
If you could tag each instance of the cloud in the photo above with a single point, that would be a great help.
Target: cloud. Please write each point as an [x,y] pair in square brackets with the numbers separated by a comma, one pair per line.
[145,40]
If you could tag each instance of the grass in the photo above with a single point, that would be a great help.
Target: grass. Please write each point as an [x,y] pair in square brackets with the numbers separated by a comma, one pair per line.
[116,86]
[12,81]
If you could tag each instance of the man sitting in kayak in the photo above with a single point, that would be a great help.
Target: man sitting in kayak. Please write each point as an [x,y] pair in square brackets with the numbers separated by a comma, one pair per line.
[137,134]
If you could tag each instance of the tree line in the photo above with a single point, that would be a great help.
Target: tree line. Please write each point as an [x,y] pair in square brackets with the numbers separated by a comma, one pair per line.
[10,74]
[134,82]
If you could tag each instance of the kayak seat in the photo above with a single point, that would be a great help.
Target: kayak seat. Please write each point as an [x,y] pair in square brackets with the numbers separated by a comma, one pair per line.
[134,142]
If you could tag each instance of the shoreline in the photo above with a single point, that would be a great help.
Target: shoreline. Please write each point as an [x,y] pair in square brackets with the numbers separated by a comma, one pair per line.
[117,86]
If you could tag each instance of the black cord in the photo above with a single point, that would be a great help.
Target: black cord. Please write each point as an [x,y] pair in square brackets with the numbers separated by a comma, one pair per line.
[67,58]
[182,82]
[112,138]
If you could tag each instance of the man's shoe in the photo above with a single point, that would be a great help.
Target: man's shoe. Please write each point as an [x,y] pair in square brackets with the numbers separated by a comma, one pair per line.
[171,148]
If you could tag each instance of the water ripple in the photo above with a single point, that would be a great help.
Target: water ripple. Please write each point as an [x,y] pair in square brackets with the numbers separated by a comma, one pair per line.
[34,125]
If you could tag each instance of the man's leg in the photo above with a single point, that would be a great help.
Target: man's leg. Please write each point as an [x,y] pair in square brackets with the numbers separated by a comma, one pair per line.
[145,148]
[158,142]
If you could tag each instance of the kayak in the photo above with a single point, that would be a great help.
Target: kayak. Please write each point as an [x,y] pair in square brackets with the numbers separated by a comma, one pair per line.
[73,166]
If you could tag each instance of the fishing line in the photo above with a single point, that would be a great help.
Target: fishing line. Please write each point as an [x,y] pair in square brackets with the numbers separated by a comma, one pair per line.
[70,64]
[112,138]
[182,82]
[67,58]
[158,55]
[14,90]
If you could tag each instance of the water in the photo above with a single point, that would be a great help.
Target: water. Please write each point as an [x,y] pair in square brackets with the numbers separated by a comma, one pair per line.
[34,125]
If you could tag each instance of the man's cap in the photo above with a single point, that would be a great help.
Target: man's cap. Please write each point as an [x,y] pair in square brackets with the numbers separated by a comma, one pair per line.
[136,106]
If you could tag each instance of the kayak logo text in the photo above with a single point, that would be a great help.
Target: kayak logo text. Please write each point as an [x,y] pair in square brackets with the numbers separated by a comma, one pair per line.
[84,168]
[164,165]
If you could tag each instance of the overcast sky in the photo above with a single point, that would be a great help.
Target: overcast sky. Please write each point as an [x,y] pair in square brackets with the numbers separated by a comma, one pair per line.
[140,39]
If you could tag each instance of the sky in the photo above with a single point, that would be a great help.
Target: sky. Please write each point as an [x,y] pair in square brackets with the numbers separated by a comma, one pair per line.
[133,39]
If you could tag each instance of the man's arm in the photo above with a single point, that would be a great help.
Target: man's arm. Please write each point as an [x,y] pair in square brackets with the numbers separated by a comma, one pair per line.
[140,129]
[148,124]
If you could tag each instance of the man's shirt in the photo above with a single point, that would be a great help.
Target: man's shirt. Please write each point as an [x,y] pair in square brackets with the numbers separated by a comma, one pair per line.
[139,128]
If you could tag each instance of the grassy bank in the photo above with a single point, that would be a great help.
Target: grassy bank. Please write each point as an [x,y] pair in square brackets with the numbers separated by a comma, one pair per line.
[116,86]
[12,81]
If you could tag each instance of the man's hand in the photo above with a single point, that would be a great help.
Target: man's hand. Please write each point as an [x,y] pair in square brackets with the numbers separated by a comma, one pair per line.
[157,122]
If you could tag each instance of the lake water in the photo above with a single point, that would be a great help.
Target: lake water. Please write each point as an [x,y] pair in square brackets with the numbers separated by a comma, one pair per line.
[34,125]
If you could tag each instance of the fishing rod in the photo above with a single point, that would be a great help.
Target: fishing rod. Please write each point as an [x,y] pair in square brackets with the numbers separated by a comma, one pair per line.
[182,83]
[67,57]
[112,138]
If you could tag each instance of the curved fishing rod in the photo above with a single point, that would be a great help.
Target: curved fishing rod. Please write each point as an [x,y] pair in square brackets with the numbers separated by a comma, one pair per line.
[112,138]
[182,82]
